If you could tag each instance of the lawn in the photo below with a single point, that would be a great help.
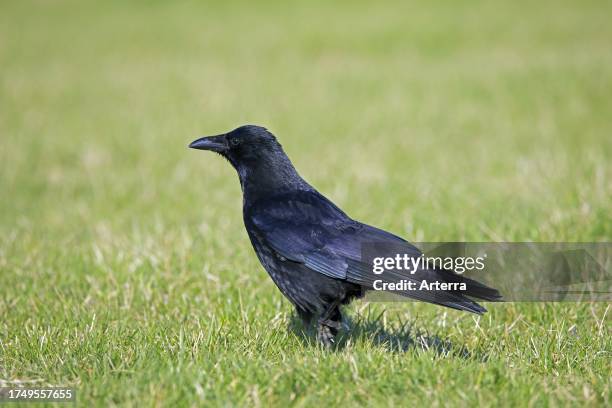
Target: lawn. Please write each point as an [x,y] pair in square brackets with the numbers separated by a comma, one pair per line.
[125,270]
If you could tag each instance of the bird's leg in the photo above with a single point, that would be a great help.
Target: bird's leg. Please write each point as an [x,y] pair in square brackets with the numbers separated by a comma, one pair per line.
[328,325]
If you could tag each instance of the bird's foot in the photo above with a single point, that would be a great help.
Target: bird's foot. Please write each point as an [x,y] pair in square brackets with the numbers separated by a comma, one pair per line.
[326,332]
[325,336]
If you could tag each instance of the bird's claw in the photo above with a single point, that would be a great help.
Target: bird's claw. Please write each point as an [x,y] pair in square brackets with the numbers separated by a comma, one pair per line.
[325,336]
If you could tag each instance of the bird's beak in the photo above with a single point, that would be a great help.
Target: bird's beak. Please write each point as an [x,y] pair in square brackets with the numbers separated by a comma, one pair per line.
[214,143]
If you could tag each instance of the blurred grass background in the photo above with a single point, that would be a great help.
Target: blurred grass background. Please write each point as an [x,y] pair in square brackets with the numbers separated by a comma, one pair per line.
[125,268]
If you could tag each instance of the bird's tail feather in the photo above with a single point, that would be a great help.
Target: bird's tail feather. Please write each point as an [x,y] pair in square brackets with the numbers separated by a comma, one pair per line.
[475,289]
[455,299]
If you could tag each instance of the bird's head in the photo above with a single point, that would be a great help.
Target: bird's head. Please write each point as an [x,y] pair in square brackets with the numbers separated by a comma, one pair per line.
[246,146]
[262,165]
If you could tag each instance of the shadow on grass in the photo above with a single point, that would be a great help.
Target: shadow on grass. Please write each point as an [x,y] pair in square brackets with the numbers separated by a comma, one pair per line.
[402,337]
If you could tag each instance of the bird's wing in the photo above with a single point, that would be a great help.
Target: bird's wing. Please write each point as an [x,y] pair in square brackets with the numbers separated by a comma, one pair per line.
[299,227]
[307,228]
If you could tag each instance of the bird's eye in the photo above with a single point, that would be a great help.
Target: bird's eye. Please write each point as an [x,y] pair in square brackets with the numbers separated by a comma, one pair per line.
[234,141]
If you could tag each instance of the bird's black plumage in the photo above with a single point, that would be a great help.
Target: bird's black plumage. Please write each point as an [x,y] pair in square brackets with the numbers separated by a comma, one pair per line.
[309,246]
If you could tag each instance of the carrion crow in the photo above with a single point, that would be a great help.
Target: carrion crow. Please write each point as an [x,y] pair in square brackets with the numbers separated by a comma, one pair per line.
[310,248]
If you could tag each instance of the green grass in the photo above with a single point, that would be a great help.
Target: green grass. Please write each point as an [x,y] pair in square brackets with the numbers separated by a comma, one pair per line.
[125,269]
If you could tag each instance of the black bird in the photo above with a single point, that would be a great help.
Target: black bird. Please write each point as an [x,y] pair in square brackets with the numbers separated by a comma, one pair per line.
[309,246]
